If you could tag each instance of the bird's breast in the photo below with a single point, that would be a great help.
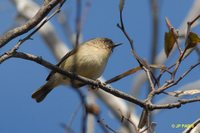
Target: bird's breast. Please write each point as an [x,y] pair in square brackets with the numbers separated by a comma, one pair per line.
[89,63]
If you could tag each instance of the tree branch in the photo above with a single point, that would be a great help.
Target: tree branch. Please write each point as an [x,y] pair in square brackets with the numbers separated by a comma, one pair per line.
[39,16]
[73,76]
[175,104]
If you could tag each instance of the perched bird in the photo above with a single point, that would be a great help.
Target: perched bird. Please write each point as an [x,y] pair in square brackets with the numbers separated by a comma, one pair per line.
[88,59]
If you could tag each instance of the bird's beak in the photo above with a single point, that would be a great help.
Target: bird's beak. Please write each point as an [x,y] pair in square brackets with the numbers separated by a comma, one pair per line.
[116,45]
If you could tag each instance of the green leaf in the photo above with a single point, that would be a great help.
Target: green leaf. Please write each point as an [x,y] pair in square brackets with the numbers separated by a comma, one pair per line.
[169,42]
[193,40]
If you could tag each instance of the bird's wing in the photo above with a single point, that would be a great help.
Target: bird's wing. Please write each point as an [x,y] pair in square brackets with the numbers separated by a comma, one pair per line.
[63,59]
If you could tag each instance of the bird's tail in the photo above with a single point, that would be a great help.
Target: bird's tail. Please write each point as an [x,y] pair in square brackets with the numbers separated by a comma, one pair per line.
[42,92]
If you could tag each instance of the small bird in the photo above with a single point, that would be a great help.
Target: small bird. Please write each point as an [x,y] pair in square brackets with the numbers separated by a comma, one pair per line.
[88,60]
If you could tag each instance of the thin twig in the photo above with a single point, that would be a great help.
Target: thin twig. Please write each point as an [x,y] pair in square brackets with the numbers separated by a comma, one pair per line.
[124,74]
[69,125]
[105,130]
[78,21]
[102,122]
[189,26]
[68,129]
[85,113]
[16,47]
[186,42]
[174,105]
[40,15]
[142,62]
[194,20]
[155,32]
[172,82]
[128,120]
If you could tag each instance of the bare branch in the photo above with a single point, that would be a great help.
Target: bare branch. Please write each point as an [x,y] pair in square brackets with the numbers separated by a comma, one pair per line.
[172,83]
[16,47]
[69,125]
[73,76]
[175,104]
[43,12]
[78,21]
[155,26]
[144,65]
[161,57]
[102,122]
[125,74]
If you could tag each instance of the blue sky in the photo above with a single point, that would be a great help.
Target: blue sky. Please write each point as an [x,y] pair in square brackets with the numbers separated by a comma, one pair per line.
[19,78]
